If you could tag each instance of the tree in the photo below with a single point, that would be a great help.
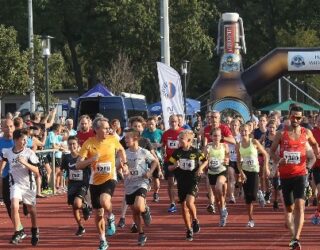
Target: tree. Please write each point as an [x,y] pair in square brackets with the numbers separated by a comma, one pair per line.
[14,64]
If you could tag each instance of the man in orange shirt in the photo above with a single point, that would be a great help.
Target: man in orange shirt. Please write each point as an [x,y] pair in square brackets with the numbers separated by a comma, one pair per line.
[99,152]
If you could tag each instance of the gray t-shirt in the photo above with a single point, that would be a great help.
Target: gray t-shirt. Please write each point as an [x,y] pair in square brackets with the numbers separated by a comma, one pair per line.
[138,162]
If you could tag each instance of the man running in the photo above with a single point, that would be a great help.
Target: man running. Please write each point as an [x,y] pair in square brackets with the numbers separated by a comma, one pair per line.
[293,172]
[100,152]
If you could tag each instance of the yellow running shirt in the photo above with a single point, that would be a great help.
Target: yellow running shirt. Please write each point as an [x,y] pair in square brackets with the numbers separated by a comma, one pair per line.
[104,169]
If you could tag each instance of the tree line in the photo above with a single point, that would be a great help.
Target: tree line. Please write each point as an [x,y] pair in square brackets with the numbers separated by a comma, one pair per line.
[118,42]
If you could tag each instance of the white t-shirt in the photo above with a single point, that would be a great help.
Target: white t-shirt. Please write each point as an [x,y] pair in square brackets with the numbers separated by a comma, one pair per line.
[20,174]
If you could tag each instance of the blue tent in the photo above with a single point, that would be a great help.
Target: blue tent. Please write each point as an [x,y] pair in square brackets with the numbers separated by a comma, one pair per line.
[193,106]
[98,90]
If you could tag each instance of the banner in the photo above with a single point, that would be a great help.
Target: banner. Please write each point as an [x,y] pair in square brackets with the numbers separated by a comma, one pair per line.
[170,92]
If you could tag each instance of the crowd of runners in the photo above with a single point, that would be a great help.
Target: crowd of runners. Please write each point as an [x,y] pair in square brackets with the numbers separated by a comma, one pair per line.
[267,159]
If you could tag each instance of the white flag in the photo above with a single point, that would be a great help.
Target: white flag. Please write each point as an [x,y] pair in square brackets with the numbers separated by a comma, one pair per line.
[170,92]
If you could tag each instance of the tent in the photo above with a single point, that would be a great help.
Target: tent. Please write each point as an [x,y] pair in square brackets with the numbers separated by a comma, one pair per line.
[98,90]
[284,106]
[193,106]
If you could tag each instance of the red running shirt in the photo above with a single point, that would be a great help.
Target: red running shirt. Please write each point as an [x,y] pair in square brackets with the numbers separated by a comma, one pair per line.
[83,136]
[294,151]
[170,141]
[316,134]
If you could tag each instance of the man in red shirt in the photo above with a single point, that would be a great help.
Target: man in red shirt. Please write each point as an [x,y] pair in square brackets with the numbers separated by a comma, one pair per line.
[316,171]
[293,172]
[85,131]
[170,143]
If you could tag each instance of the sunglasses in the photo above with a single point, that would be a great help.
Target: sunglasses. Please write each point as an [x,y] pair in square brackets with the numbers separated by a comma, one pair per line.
[298,118]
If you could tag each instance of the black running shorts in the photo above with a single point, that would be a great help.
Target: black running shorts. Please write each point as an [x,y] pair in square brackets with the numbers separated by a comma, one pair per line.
[130,198]
[166,171]
[213,177]
[96,190]
[250,187]
[76,190]
[293,188]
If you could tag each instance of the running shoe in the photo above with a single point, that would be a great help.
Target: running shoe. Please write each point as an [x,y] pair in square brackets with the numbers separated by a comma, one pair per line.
[111,227]
[232,200]
[267,197]
[23,235]
[34,236]
[295,245]
[103,245]
[156,197]
[85,211]
[146,216]
[16,238]
[80,231]
[261,199]
[275,205]
[189,235]
[172,208]
[195,226]
[122,222]
[211,209]
[250,223]
[134,228]
[142,238]
[224,216]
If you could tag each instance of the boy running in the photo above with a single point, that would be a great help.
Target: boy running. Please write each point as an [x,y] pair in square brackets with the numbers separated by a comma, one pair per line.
[184,162]
[136,183]
[22,162]
[78,183]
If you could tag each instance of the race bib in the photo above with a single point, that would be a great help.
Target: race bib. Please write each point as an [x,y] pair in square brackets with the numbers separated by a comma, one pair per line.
[76,175]
[292,157]
[173,144]
[104,168]
[214,163]
[186,164]
[248,161]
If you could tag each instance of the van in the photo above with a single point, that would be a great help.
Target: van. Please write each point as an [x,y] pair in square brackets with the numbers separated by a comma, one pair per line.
[112,107]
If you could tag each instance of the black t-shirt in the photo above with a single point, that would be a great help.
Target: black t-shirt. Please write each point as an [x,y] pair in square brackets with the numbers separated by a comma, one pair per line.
[188,163]
[74,175]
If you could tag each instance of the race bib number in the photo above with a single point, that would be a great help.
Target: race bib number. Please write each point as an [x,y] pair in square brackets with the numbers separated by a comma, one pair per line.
[76,175]
[214,163]
[134,172]
[104,168]
[173,144]
[248,161]
[292,157]
[186,164]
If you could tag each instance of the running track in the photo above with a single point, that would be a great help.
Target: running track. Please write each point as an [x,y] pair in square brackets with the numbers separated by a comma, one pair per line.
[57,228]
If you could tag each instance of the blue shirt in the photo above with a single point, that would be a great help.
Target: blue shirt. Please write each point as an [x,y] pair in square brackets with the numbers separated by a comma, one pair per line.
[5,143]
[52,139]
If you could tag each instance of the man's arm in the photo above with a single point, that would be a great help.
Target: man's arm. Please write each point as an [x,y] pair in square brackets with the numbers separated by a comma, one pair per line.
[273,149]
[313,143]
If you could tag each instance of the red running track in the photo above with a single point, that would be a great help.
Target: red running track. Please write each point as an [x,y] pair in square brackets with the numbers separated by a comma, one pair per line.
[57,228]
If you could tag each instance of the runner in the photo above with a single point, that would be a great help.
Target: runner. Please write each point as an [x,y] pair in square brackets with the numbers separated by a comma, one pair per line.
[316,172]
[154,135]
[99,152]
[292,168]
[233,172]
[217,154]
[78,183]
[187,164]
[137,182]
[248,164]
[22,162]
[170,143]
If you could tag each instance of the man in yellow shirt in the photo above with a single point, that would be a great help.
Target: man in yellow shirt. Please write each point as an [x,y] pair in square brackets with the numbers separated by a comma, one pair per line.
[99,152]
